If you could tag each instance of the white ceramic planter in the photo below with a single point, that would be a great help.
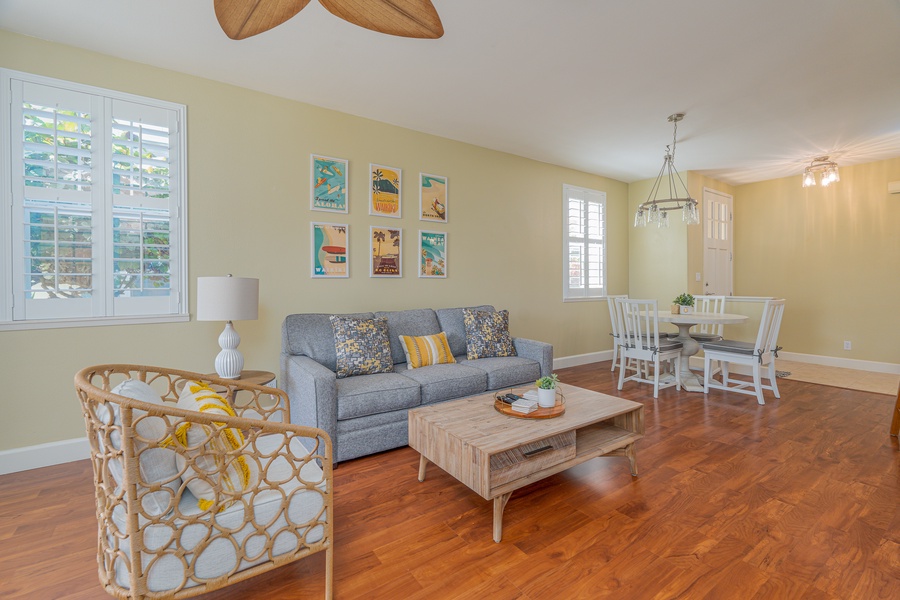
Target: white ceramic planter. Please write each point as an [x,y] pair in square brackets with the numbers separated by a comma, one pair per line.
[546,398]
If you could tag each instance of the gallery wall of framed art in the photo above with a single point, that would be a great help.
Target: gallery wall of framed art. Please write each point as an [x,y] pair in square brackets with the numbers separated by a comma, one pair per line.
[330,256]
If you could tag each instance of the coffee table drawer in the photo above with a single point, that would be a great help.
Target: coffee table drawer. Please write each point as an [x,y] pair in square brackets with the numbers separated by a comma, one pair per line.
[532,457]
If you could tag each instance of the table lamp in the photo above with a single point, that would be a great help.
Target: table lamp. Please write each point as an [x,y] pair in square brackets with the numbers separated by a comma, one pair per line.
[228,299]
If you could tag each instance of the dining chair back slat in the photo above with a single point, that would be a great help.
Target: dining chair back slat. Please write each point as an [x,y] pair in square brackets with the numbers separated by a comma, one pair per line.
[614,320]
[707,332]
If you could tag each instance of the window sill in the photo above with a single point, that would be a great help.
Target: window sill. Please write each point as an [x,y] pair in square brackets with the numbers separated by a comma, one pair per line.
[92,322]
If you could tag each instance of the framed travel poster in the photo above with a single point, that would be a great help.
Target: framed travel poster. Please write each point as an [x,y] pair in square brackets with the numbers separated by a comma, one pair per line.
[329,250]
[432,254]
[328,184]
[432,198]
[386,255]
[384,194]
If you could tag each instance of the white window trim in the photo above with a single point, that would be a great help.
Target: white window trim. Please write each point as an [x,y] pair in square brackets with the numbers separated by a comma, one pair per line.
[180,228]
[601,292]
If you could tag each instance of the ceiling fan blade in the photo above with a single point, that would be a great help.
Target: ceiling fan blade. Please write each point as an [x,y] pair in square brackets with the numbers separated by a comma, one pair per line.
[241,19]
[406,18]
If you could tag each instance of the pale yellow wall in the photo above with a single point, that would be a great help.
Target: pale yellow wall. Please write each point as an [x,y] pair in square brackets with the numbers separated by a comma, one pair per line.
[833,253]
[248,162]
[657,265]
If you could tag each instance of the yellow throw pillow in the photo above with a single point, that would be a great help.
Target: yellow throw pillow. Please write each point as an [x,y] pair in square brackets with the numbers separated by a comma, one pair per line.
[427,350]
[217,469]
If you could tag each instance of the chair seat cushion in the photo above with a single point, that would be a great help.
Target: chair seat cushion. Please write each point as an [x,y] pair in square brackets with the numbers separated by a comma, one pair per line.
[363,395]
[290,515]
[706,337]
[444,382]
[733,346]
[665,344]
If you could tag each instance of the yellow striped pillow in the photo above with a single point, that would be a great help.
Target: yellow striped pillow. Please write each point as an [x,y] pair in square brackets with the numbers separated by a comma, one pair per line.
[217,473]
[427,350]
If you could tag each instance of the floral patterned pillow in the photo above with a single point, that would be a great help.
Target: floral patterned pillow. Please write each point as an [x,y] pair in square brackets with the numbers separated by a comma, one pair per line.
[362,346]
[487,334]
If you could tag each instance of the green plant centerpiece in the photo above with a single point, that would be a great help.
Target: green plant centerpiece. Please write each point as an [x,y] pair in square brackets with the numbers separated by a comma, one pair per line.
[682,304]
[683,300]
[547,390]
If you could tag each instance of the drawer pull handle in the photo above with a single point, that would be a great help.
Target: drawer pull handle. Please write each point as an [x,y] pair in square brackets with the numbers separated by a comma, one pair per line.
[530,453]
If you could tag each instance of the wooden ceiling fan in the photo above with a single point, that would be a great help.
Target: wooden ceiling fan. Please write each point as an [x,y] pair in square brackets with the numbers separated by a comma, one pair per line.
[241,19]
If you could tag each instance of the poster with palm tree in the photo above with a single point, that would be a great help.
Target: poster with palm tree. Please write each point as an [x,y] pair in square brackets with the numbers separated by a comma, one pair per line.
[387,252]
[384,192]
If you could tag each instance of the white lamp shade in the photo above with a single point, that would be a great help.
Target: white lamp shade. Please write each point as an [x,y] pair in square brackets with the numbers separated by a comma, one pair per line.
[227,299]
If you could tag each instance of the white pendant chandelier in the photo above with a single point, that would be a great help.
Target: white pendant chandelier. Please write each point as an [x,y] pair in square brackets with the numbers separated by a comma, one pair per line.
[655,211]
[828,169]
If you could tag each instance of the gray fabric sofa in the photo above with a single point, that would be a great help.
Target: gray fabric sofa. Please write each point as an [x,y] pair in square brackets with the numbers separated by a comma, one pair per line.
[365,414]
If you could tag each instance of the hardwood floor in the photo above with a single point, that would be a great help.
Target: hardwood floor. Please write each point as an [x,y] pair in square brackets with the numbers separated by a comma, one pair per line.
[799,498]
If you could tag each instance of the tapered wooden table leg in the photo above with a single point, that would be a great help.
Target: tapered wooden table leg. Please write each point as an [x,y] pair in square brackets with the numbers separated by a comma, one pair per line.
[631,453]
[423,462]
[499,505]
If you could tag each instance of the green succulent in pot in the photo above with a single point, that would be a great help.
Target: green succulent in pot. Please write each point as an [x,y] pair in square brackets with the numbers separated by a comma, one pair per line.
[547,382]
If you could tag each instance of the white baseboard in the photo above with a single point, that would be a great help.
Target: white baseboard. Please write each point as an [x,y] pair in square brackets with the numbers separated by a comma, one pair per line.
[582,359]
[845,363]
[43,455]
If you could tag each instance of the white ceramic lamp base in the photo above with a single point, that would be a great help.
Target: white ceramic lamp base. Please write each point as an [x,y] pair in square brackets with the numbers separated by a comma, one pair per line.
[229,362]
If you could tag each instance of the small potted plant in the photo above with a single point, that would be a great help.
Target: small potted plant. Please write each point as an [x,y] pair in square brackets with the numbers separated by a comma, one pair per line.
[683,304]
[547,390]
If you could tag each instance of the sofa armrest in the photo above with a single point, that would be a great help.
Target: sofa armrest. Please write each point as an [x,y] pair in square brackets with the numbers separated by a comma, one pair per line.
[542,352]
[312,389]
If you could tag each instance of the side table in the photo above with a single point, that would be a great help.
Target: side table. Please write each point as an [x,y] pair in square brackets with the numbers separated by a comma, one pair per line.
[254,377]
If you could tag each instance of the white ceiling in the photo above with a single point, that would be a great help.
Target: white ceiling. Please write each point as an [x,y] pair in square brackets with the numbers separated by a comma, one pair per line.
[766,84]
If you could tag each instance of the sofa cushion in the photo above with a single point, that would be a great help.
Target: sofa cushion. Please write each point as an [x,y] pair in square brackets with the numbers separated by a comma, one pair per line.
[487,334]
[312,335]
[424,350]
[361,346]
[505,372]
[445,382]
[372,394]
[408,322]
[452,323]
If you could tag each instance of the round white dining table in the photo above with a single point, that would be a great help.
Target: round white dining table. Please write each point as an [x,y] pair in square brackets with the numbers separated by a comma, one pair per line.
[689,347]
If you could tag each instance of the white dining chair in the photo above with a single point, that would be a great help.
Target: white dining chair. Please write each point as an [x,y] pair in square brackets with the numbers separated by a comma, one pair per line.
[614,325]
[756,355]
[708,332]
[641,341]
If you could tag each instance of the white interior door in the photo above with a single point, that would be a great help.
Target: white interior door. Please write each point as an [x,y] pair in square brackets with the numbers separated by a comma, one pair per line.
[718,246]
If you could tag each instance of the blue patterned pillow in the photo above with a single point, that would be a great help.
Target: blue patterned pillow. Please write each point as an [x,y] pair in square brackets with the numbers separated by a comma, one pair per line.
[362,346]
[487,334]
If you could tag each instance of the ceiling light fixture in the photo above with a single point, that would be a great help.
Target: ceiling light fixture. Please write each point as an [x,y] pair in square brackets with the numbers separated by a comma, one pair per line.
[656,210]
[828,168]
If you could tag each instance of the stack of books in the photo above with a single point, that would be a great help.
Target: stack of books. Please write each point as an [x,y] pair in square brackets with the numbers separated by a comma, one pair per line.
[524,405]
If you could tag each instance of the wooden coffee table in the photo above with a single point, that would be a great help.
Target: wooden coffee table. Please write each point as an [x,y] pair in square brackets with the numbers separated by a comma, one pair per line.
[494,454]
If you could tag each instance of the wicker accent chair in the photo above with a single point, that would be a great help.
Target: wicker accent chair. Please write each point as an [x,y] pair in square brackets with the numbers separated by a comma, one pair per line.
[249,491]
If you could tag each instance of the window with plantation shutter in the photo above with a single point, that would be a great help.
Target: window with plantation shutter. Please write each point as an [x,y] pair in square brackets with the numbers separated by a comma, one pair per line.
[96,205]
[584,239]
